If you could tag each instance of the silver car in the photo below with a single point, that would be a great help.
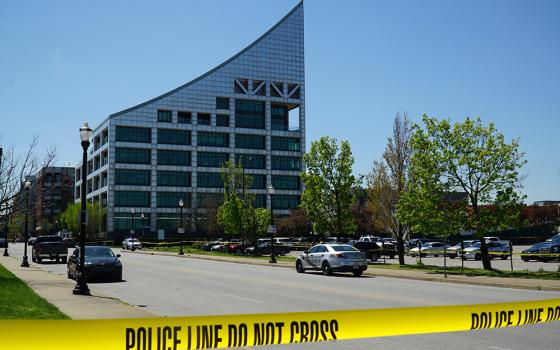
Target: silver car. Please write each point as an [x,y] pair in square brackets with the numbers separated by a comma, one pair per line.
[331,258]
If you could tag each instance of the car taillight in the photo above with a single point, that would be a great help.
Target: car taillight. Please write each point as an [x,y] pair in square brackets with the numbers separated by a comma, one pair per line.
[340,256]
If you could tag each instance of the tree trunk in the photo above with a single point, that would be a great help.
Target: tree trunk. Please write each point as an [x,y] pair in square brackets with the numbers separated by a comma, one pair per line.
[400,249]
[484,255]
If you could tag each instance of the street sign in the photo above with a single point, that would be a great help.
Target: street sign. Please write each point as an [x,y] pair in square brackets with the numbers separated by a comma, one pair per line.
[181,230]
[271,229]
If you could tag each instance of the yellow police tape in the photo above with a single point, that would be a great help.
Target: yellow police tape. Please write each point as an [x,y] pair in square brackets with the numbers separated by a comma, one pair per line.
[208,332]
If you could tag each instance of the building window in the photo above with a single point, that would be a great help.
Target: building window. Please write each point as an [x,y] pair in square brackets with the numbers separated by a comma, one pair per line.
[259,88]
[285,144]
[174,137]
[210,200]
[213,139]
[169,222]
[249,114]
[259,181]
[132,177]
[168,157]
[132,199]
[164,116]
[212,180]
[260,201]
[279,117]
[184,117]
[173,178]
[211,159]
[251,161]
[203,119]
[222,103]
[282,201]
[171,199]
[286,163]
[276,89]
[286,182]
[222,120]
[241,86]
[133,155]
[249,141]
[132,134]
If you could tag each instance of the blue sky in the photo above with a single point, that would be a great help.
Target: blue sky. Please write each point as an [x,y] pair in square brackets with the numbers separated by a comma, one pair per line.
[63,62]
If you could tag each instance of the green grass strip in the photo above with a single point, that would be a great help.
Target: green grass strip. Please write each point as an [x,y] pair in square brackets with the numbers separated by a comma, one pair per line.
[18,301]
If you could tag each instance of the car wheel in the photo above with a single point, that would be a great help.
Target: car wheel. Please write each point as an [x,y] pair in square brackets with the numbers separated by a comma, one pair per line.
[423,255]
[39,260]
[477,257]
[452,257]
[391,256]
[435,255]
[57,260]
[504,257]
[357,273]
[299,267]
[374,257]
[327,269]
[64,259]
[412,255]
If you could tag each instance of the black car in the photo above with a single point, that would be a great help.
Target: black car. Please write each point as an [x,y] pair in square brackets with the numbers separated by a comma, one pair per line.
[532,253]
[266,249]
[100,263]
[372,250]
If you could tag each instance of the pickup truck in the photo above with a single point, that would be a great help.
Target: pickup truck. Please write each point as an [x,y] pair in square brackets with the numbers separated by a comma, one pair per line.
[49,247]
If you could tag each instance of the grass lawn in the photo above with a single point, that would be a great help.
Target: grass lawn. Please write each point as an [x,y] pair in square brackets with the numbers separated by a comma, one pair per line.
[191,250]
[456,270]
[18,301]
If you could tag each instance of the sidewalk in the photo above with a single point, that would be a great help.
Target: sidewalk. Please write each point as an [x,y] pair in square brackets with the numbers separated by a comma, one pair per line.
[520,283]
[58,291]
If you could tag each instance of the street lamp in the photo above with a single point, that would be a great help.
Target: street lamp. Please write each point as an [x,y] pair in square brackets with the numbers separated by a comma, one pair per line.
[132,231]
[181,226]
[272,228]
[81,287]
[142,216]
[27,186]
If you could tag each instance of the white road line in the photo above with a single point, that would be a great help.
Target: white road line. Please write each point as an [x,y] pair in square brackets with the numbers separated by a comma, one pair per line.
[243,298]
[498,348]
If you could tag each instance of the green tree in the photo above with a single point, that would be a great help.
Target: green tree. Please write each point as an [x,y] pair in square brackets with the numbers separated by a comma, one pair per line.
[329,184]
[96,217]
[466,157]
[237,214]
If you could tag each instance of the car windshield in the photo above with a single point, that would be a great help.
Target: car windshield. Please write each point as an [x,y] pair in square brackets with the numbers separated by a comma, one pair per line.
[98,252]
[343,248]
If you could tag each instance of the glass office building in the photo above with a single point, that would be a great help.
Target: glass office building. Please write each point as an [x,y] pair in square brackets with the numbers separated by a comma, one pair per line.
[250,109]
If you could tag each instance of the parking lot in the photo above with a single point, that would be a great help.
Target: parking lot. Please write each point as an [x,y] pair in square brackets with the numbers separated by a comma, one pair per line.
[498,264]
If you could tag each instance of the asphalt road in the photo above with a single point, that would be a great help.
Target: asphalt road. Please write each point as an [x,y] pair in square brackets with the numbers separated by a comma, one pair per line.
[172,286]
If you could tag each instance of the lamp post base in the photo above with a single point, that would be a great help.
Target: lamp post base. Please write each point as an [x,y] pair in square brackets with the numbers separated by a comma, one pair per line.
[181,251]
[81,287]
[272,259]
[6,252]
[24,262]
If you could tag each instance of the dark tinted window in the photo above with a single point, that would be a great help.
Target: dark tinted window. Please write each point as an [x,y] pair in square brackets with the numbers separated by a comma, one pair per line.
[164,116]
[222,103]
[133,134]
[48,239]
[174,137]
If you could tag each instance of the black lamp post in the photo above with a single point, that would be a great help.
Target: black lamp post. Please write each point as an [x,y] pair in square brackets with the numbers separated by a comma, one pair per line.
[7,217]
[27,186]
[181,204]
[272,228]
[81,287]
[132,231]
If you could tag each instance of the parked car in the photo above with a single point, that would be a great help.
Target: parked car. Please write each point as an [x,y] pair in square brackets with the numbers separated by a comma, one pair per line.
[371,249]
[549,252]
[388,245]
[413,243]
[455,251]
[532,253]
[128,243]
[331,258]
[431,248]
[498,249]
[49,247]
[100,263]
[31,240]
[266,249]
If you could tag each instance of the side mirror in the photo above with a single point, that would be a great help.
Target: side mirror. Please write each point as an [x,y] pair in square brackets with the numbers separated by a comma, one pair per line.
[306,252]
[118,255]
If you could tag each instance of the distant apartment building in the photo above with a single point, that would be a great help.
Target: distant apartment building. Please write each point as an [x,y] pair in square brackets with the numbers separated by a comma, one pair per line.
[145,159]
